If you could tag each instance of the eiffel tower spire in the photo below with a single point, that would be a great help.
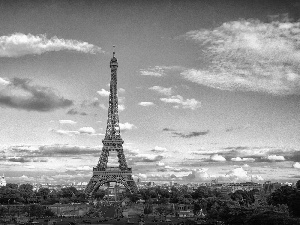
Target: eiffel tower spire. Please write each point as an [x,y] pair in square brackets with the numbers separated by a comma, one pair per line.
[113,128]
[112,142]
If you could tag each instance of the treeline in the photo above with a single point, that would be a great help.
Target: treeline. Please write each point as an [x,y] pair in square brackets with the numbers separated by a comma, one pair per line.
[24,194]
[241,207]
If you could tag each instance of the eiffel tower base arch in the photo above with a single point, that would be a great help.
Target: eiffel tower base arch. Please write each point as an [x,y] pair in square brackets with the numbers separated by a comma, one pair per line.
[100,178]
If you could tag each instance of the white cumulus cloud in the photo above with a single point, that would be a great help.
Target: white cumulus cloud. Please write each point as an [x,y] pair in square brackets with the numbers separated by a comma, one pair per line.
[275,158]
[239,174]
[103,93]
[121,90]
[126,126]
[217,157]
[296,165]
[87,130]
[19,44]
[239,159]
[65,132]
[157,71]
[180,102]
[148,158]
[160,164]
[146,103]
[67,122]
[159,149]
[250,55]
[4,82]
[121,107]
[162,90]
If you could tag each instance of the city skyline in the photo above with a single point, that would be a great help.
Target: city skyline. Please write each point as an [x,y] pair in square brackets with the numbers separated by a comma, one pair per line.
[207,89]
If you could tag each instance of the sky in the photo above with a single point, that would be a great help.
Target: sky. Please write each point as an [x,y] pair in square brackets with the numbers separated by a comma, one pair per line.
[208,90]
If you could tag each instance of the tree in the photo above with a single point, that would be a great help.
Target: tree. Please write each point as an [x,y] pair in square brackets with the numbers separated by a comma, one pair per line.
[202,192]
[133,197]
[289,196]
[26,191]
[298,184]
[148,209]
[163,210]
[12,186]
[281,195]
[294,204]
[271,218]
[9,195]
[44,193]
[68,192]
[99,194]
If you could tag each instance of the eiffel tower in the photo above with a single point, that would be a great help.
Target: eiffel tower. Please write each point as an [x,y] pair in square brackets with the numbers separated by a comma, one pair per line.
[103,174]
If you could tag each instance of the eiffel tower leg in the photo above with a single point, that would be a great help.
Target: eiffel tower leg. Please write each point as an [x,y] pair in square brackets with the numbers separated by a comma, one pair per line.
[89,188]
[103,158]
[92,186]
[131,186]
[122,160]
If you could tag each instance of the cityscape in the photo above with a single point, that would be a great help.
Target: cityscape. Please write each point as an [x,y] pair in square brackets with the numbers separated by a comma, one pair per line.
[149,112]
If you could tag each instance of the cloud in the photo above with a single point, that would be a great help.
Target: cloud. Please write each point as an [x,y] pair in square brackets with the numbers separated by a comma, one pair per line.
[4,82]
[9,163]
[126,126]
[293,156]
[249,55]
[160,164]
[75,112]
[94,102]
[162,90]
[142,175]
[260,154]
[237,128]
[217,158]
[296,165]
[43,153]
[146,103]
[121,90]
[103,93]
[80,131]
[180,102]
[159,71]
[20,94]
[87,130]
[19,44]
[65,132]
[198,175]
[21,160]
[80,168]
[239,174]
[121,107]
[191,134]
[60,150]
[167,129]
[67,122]
[238,159]
[275,158]
[147,158]
[159,149]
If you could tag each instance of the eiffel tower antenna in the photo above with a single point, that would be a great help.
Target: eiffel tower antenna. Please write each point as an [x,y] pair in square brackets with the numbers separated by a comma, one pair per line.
[112,141]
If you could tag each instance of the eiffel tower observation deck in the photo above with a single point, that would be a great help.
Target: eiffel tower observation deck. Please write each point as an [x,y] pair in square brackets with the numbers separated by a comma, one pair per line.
[112,141]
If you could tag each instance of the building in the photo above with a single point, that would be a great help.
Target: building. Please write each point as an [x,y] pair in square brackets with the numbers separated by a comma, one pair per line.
[2,181]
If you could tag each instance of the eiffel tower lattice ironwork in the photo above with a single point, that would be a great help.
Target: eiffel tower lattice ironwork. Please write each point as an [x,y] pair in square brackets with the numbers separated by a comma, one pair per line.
[112,142]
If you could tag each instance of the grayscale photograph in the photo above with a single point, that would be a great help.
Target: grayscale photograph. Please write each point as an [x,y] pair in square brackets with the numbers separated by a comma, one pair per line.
[150,112]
